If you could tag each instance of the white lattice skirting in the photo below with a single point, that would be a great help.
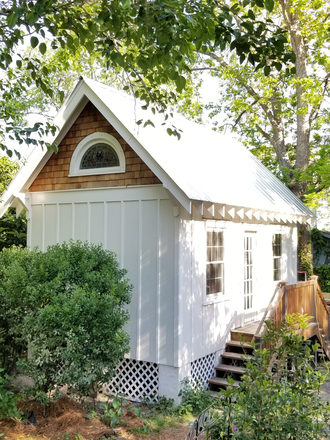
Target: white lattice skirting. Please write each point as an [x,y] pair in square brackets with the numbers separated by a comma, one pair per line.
[136,380]
[203,369]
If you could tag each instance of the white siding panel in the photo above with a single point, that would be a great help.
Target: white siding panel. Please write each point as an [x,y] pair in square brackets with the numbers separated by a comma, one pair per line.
[186,304]
[114,229]
[139,226]
[50,225]
[80,221]
[198,288]
[37,226]
[149,285]
[65,219]
[97,223]
[166,284]
[131,262]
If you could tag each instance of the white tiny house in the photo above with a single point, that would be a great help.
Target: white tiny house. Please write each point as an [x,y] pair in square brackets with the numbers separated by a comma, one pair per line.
[204,230]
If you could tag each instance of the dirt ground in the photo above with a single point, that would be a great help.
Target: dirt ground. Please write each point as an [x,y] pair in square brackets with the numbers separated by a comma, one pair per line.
[66,420]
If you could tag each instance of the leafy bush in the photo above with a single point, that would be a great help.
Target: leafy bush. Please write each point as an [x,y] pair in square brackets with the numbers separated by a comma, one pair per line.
[12,229]
[193,399]
[68,306]
[279,397]
[8,408]
[323,272]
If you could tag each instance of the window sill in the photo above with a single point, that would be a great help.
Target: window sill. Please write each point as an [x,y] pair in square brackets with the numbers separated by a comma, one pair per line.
[215,300]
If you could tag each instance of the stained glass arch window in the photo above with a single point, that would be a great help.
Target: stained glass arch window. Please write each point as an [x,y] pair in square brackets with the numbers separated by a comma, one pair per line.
[98,153]
[99,156]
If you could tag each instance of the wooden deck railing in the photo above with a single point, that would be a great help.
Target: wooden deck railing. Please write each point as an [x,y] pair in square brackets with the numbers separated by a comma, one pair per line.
[305,298]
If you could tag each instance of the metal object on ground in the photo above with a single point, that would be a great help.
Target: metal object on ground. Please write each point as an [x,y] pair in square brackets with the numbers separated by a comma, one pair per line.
[201,425]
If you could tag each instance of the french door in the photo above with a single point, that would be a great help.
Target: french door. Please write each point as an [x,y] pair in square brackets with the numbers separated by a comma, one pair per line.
[249,276]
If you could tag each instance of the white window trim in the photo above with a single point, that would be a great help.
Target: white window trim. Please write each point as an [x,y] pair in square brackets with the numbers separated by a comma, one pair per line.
[88,142]
[280,257]
[213,298]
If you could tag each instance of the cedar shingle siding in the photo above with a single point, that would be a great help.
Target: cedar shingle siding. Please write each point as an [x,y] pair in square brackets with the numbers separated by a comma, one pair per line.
[54,175]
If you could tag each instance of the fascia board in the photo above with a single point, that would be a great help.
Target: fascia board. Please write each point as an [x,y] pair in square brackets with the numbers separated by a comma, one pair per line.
[64,120]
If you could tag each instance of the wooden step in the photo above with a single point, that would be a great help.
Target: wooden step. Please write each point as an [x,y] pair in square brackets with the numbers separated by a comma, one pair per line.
[230,369]
[240,344]
[237,335]
[221,382]
[238,356]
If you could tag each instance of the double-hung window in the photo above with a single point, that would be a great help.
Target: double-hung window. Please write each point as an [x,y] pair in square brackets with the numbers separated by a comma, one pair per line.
[277,257]
[214,262]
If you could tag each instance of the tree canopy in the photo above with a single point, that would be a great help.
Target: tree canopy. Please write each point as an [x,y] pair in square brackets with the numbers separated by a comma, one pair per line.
[12,229]
[283,117]
[155,42]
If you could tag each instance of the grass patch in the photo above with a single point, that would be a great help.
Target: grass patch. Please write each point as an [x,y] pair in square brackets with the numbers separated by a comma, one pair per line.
[156,420]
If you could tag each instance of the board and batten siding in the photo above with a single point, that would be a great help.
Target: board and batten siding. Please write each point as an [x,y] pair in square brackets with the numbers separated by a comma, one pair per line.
[204,327]
[139,226]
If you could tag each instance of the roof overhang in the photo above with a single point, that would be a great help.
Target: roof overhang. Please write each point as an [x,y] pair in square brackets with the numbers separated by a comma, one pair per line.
[86,91]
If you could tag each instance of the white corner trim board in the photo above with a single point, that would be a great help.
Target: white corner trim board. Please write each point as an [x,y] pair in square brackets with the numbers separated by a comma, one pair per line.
[87,143]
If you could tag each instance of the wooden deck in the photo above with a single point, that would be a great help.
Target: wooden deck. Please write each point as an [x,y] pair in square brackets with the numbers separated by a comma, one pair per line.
[305,298]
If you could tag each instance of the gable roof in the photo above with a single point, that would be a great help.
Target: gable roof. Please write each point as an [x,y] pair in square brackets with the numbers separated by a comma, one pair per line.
[211,171]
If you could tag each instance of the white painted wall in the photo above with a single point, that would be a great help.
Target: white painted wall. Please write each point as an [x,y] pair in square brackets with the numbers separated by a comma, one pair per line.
[205,327]
[172,323]
[139,226]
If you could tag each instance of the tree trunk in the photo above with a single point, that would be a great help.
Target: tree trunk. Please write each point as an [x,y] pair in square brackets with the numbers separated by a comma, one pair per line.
[304,248]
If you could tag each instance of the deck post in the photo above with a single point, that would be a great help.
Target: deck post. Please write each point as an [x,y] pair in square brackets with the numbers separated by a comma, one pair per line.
[314,278]
[284,300]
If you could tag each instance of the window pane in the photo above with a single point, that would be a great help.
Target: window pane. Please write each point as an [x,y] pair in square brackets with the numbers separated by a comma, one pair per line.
[209,238]
[99,156]
[214,266]
[277,269]
[277,257]
[214,238]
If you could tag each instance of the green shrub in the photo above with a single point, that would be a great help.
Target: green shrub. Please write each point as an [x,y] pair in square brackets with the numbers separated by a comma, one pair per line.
[12,229]
[281,402]
[323,272]
[68,306]
[8,408]
[194,399]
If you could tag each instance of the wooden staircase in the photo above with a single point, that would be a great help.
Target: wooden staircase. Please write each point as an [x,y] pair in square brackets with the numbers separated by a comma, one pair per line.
[238,351]
[304,298]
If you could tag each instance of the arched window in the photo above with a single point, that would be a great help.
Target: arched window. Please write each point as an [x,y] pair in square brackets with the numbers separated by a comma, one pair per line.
[98,153]
[99,156]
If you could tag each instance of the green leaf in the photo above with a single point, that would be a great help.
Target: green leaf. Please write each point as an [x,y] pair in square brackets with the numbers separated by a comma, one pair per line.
[31,18]
[269,4]
[278,66]
[12,19]
[89,46]
[19,11]
[248,25]
[251,15]
[180,83]
[34,41]
[42,48]
[267,70]
[19,63]
[125,3]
